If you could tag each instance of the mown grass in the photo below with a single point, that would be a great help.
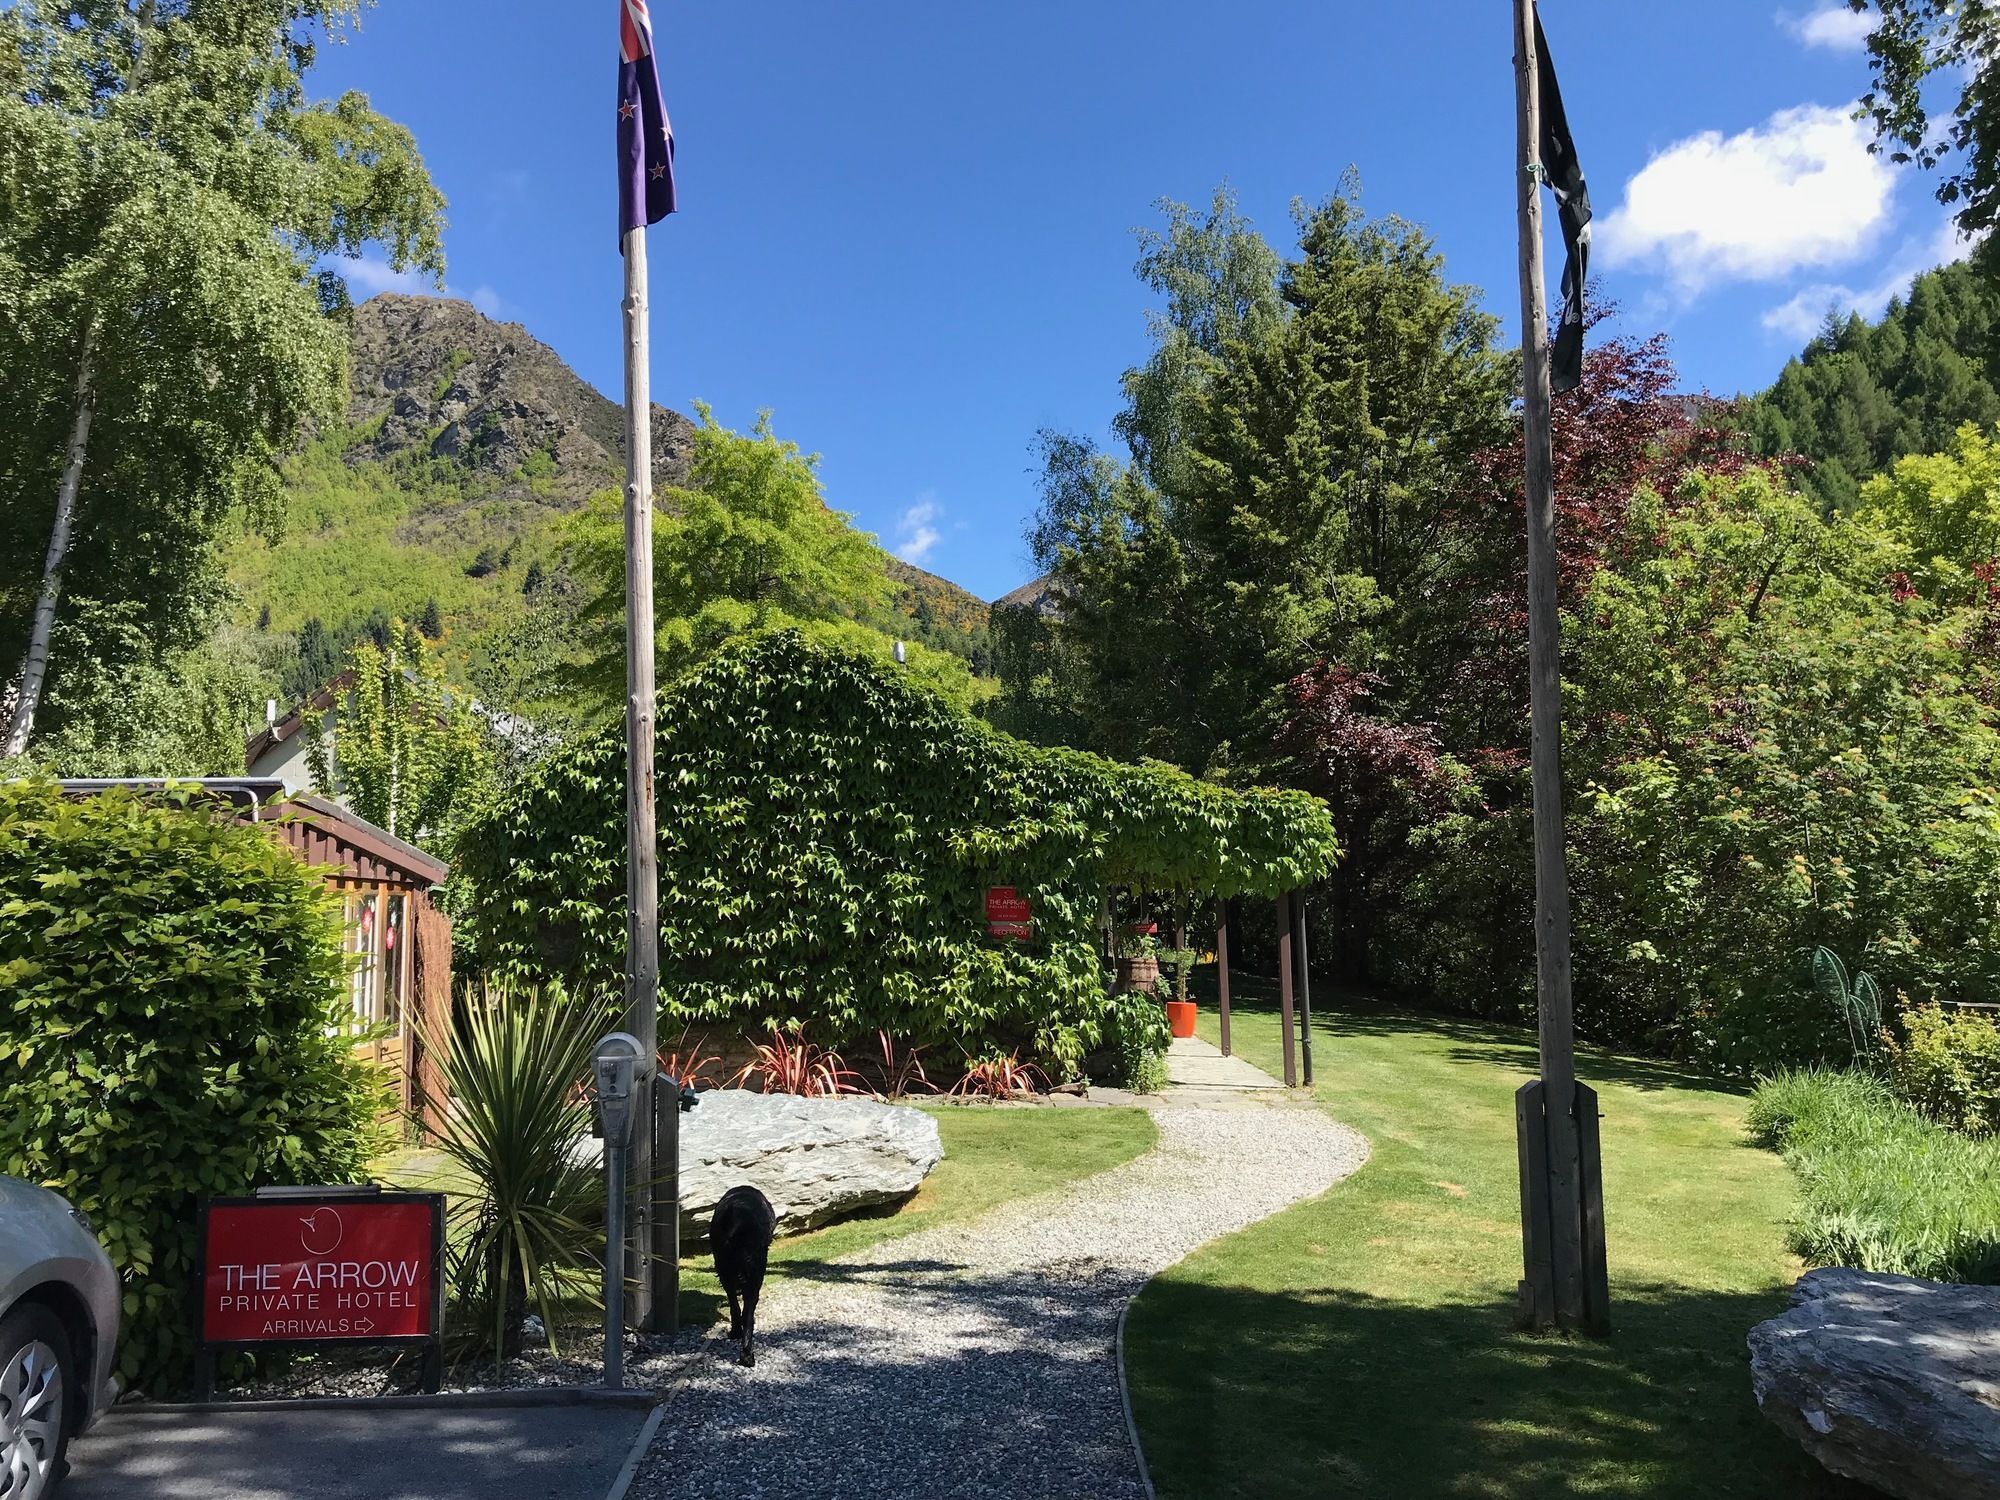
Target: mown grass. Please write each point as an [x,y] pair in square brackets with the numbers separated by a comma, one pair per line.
[991,1156]
[1882,1188]
[1362,1345]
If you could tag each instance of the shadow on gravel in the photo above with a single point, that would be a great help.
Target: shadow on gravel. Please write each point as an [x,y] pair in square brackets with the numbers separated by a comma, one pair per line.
[909,1380]
[836,1271]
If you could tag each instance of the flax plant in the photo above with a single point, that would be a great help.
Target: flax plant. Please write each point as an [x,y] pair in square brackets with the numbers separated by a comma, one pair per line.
[516,1067]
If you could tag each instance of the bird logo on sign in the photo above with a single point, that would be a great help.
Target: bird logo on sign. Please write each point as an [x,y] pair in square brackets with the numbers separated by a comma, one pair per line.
[320,1231]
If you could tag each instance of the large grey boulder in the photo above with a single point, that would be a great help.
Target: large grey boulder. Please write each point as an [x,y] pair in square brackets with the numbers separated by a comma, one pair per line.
[817,1160]
[1889,1380]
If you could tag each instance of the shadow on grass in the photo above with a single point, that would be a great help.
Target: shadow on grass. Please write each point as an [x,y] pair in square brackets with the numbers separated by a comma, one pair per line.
[1338,1394]
[1514,1047]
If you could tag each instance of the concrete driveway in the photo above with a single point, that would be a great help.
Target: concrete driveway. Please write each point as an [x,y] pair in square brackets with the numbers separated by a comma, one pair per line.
[460,1451]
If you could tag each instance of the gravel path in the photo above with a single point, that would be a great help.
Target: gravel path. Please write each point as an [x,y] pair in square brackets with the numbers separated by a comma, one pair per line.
[978,1360]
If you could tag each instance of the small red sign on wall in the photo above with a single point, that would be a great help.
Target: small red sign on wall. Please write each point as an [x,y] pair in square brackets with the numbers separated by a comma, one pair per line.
[1007,914]
[304,1269]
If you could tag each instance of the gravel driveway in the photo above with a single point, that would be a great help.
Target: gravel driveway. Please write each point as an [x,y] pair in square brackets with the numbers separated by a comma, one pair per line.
[978,1360]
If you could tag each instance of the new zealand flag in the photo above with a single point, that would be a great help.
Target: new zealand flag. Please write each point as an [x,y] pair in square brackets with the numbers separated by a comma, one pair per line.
[645,137]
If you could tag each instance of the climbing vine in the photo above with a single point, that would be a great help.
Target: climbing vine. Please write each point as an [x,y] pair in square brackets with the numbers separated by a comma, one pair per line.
[828,832]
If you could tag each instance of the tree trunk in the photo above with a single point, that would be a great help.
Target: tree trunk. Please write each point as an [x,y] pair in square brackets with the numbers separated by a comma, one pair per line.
[34,669]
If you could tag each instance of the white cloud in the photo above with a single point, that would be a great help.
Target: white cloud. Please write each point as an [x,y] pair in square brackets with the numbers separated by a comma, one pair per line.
[1800,317]
[916,529]
[1799,191]
[369,275]
[1834,27]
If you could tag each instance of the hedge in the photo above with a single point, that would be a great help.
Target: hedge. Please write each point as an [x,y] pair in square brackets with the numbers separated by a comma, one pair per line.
[170,986]
[827,835]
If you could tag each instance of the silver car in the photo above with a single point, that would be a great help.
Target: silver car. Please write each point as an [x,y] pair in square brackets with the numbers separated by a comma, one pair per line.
[58,1335]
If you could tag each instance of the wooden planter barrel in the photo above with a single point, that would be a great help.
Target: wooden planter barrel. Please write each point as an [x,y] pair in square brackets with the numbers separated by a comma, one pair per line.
[1140,974]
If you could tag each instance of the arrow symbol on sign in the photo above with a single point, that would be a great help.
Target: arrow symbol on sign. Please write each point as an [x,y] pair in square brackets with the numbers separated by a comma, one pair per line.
[367,1325]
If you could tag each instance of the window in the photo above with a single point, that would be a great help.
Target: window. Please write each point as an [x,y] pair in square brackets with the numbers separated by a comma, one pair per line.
[364,944]
[395,958]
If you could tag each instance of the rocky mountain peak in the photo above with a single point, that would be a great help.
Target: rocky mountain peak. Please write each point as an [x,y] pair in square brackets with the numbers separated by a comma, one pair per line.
[435,375]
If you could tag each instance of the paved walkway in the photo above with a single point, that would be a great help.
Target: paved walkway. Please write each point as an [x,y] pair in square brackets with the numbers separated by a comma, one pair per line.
[978,1360]
[393,1453]
[1195,1064]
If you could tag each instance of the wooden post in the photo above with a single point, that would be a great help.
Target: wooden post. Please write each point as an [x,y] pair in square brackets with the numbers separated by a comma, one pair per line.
[1285,1017]
[1552,922]
[654,1259]
[1305,989]
[1222,971]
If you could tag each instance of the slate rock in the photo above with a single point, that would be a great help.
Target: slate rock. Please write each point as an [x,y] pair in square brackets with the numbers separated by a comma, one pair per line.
[1889,1380]
[817,1160]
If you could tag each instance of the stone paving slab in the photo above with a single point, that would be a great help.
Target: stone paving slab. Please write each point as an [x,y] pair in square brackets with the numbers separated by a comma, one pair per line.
[1194,1063]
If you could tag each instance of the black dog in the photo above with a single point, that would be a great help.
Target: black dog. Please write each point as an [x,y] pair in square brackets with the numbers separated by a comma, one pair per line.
[740,1235]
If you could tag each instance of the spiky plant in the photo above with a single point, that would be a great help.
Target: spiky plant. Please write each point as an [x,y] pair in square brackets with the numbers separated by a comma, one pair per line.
[516,1067]
[1859,1003]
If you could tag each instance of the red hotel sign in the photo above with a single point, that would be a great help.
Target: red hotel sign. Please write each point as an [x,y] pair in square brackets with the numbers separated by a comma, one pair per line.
[301,1269]
[1007,914]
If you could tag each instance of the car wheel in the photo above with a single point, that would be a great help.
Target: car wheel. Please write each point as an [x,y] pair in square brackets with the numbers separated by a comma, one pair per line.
[35,1381]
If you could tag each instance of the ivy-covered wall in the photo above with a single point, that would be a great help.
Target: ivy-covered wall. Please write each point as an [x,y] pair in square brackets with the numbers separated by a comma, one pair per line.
[828,832]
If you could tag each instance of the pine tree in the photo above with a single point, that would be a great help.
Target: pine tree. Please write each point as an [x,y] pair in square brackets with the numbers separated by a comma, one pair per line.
[429,624]
[1859,397]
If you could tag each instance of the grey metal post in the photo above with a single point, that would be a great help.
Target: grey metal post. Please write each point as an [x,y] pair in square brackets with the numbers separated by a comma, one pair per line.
[614,1264]
[616,1063]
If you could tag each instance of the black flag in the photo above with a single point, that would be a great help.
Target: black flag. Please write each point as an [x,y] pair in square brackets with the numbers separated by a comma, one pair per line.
[1565,178]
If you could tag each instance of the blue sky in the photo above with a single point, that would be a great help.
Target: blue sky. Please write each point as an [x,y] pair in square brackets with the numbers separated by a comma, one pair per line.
[907,228]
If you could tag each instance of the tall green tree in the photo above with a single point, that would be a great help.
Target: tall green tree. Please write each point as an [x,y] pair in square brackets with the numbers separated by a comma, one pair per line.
[166,190]
[1861,396]
[1295,444]
[750,545]
[399,747]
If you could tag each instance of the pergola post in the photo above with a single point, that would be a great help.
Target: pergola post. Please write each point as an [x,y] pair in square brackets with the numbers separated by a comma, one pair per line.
[1222,970]
[1285,1015]
[1305,989]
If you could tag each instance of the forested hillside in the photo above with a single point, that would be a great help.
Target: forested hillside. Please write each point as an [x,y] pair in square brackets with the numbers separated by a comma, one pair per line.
[452,498]
[1860,395]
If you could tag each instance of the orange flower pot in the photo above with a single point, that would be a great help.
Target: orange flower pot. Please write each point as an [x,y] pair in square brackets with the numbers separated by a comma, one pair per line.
[1180,1017]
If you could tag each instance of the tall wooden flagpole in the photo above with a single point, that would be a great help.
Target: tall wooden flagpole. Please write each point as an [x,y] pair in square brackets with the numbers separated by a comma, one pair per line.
[653,1259]
[1553,1290]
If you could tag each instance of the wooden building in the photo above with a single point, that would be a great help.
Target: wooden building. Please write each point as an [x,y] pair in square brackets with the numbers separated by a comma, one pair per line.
[397,940]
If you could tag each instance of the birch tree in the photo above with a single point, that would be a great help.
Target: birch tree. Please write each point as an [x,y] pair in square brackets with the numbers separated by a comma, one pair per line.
[166,192]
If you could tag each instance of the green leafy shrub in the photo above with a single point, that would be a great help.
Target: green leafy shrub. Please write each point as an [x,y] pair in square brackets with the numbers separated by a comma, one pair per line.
[170,997]
[828,831]
[1881,1188]
[1948,1067]
[516,1066]
[1136,1040]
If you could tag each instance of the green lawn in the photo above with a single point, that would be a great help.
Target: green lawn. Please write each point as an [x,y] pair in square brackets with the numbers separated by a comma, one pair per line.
[990,1157]
[1361,1345]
